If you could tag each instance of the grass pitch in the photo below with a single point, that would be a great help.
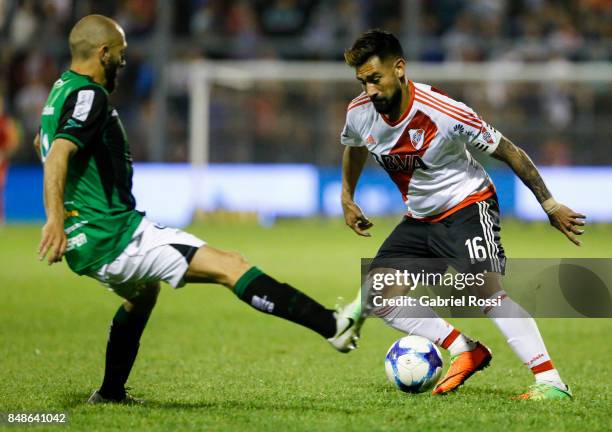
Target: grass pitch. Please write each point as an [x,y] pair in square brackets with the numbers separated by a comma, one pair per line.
[209,362]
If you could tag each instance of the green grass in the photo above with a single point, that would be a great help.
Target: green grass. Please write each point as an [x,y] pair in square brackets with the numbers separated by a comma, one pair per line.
[209,362]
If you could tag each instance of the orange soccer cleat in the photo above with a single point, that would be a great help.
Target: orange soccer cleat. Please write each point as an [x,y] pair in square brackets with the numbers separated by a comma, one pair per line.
[462,367]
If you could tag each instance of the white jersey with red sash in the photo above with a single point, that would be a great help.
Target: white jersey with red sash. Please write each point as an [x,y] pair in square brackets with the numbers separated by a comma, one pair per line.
[425,151]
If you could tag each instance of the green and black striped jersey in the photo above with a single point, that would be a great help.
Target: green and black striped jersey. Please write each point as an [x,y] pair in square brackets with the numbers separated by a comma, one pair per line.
[98,201]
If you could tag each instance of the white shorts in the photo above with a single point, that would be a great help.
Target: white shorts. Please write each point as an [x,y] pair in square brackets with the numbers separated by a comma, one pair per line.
[155,253]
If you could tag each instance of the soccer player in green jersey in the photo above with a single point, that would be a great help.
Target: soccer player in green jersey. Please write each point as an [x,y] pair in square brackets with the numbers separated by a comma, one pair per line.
[91,216]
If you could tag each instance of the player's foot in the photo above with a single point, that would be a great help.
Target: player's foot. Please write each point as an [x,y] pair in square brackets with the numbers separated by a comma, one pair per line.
[543,391]
[127,399]
[347,330]
[462,367]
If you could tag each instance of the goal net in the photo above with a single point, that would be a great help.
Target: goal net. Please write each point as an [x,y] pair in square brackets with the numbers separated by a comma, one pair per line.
[263,136]
[293,112]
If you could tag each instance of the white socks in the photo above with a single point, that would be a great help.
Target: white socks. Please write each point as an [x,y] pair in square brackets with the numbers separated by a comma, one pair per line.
[518,327]
[462,343]
[426,323]
[523,336]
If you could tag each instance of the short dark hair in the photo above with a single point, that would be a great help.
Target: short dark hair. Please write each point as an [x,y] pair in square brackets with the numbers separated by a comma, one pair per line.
[374,42]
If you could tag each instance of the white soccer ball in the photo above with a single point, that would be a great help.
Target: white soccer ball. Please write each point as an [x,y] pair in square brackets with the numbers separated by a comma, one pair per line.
[413,364]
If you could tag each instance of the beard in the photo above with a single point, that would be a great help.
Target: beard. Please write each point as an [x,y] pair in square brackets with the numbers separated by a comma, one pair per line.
[111,75]
[385,105]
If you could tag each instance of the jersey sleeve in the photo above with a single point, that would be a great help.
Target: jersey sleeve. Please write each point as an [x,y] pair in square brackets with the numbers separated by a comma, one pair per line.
[83,116]
[487,139]
[349,136]
[473,130]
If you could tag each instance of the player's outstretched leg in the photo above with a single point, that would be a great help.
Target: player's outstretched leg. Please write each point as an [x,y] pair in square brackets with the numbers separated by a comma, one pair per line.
[523,336]
[267,295]
[123,342]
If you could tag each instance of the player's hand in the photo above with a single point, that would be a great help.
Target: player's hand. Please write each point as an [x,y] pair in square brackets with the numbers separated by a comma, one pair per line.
[355,219]
[53,241]
[568,222]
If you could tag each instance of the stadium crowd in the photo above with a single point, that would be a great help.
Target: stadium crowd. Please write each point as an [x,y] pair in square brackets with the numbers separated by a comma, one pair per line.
[289,125]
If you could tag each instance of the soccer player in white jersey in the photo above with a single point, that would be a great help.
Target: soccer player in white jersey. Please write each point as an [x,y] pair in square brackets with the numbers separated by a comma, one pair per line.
[421,137]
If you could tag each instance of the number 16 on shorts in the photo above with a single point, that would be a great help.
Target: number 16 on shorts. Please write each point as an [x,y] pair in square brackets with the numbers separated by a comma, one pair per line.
[477,252]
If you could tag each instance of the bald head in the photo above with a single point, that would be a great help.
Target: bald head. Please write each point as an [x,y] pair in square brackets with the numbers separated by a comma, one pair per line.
[97,44]
[92,33]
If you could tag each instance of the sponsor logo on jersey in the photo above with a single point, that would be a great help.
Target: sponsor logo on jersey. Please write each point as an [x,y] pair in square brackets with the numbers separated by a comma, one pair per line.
[76,241]
[401,162]
[60,82]
[71,123]
[262,303]
[370,140]
[48,110]
[83,105]
[75,227]
[459,128]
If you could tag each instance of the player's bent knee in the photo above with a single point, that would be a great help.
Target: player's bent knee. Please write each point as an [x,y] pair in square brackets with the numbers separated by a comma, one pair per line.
[146,297]
[238,261]
[236,266]
[215,265]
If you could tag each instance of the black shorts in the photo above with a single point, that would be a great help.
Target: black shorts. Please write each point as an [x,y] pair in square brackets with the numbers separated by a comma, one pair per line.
[468,240]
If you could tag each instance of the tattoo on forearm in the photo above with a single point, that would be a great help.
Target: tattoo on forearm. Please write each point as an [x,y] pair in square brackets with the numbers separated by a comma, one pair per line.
[523,167]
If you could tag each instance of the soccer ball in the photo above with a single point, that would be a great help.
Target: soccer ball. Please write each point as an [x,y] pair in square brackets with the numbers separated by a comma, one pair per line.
[413,364]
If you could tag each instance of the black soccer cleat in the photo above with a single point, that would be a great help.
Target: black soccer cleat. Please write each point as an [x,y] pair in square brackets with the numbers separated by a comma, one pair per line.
[127,399]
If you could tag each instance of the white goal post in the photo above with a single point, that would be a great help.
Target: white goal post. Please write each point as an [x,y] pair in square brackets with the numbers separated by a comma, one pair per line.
[202,75]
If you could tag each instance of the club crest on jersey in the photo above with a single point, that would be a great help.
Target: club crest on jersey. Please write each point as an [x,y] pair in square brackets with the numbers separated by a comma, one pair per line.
[486,135]
[407,162]
[417,137]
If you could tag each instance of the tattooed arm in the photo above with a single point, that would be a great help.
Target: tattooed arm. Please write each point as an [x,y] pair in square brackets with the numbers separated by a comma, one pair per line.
[523,167]
[561,217]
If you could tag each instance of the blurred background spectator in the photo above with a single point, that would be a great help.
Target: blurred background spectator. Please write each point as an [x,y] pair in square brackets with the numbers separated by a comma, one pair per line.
[281,122]
[10,139]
